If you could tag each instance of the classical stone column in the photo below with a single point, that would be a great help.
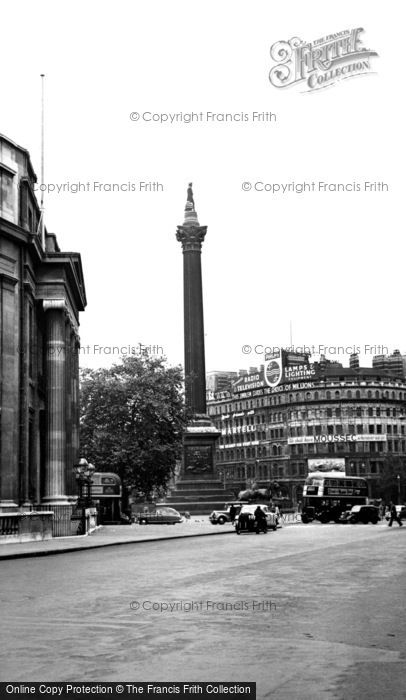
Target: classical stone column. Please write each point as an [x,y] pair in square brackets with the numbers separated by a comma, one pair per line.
[192,235]
[72,486]
[9,394]
[200,435]
[55,348]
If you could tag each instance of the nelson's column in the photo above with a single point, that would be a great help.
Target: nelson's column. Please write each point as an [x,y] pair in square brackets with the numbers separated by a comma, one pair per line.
[198,486]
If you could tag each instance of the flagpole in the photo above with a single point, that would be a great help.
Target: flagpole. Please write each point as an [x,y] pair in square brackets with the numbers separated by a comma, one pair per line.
[42,162]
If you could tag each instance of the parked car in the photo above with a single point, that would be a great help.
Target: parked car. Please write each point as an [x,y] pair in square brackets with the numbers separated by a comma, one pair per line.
[360,514]
[219,517]
[401,512]
[246,518]
[160,516]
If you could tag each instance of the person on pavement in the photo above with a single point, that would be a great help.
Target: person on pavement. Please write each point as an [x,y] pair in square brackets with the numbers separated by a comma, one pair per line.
[394,516]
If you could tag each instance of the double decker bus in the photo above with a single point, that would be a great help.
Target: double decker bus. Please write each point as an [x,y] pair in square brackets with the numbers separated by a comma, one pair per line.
[327,494]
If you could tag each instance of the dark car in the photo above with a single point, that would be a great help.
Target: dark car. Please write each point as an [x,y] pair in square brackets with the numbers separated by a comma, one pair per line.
[361,514]
[160,516]
[219,517]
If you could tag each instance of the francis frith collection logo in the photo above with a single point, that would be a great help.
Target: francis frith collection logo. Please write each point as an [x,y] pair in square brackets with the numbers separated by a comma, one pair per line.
[320,63]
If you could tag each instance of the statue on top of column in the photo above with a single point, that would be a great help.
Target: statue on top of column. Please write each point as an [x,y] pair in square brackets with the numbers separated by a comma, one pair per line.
[190,202]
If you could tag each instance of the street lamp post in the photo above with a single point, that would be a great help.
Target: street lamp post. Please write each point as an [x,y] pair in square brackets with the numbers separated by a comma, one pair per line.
[398,480]
[89,481]
[84,472]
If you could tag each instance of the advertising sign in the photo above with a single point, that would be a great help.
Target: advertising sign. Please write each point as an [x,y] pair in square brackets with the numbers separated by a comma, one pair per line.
[326,464]
[273,368]
[286,367]
[249,382]
[345,437]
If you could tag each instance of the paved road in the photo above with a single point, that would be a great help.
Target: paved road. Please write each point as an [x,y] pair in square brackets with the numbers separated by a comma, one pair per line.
[307,612]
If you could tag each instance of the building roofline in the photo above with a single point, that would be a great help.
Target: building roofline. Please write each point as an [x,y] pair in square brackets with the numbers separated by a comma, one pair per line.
[23,150]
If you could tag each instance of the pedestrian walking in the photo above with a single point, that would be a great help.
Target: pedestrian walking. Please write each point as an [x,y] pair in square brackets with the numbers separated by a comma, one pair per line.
[394,516]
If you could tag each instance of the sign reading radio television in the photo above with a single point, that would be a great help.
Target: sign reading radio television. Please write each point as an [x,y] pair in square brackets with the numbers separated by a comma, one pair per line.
[287,367]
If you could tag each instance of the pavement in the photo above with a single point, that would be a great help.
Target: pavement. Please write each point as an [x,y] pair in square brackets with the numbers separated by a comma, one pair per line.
[113,535]
[314,612]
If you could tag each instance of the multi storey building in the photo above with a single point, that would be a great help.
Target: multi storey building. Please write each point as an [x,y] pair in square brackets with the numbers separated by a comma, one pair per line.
[268,434]
[41,294]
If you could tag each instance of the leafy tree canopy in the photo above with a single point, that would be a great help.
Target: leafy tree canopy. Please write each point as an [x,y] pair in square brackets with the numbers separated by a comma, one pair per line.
[132,419]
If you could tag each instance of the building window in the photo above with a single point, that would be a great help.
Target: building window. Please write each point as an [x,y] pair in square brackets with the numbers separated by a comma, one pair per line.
[349,394]
[6,192]
[360,429]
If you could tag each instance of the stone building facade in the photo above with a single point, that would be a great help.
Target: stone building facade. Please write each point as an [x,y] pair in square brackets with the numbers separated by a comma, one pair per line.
[42,292]
[268,435]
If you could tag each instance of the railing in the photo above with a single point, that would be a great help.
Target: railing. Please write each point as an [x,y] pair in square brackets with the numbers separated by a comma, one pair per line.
[24,527]
[9,523]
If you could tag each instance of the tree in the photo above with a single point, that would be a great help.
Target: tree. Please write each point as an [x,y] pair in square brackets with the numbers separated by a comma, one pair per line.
[132,420]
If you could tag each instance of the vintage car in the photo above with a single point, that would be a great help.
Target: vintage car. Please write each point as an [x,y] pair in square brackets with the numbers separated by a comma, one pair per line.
[160,516]
[360,514]
[219,517]
[246,521]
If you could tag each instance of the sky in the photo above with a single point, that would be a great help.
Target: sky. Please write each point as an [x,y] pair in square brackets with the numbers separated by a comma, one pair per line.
[323,268]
